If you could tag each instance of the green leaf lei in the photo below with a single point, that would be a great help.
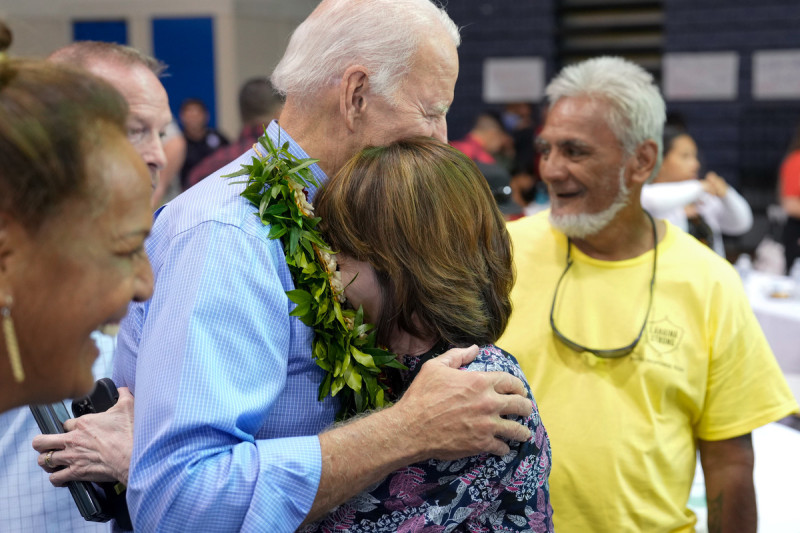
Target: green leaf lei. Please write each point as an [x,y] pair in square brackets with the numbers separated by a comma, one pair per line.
[344,345]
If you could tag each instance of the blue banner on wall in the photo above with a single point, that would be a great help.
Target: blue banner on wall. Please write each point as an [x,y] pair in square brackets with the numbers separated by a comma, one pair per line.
[108,31]
[186,45]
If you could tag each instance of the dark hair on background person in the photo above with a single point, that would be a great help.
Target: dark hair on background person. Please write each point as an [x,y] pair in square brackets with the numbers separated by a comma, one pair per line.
[50,116]
[671,132]
[422,215]
[194,102]
[258,99]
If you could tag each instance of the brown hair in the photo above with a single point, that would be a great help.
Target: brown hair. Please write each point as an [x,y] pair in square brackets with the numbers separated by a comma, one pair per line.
[421,213]
[51,117]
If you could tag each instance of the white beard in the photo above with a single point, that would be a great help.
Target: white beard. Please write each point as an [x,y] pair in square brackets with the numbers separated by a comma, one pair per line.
[585,225]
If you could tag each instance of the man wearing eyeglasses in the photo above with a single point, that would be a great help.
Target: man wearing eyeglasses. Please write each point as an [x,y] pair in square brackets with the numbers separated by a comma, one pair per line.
[638,341]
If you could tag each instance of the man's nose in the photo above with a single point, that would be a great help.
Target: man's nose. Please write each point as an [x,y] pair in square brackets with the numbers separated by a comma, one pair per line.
[552,168]
[155,155]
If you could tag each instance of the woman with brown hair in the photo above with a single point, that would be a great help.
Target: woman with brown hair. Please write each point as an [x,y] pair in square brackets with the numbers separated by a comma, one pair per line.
[74,213]
[423,249]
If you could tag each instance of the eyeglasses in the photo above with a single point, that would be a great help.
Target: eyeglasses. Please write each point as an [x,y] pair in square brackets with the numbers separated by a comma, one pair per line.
[613,353]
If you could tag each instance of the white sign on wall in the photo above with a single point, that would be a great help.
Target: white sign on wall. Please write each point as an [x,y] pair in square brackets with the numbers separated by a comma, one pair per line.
[776,74]
[701,76]
[513,79]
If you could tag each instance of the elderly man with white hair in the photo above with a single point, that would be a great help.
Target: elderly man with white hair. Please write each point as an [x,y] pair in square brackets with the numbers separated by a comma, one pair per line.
[228,431]
[638,340]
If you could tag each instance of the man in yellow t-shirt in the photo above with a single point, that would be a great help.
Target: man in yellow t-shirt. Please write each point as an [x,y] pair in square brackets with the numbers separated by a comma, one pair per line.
[639,355]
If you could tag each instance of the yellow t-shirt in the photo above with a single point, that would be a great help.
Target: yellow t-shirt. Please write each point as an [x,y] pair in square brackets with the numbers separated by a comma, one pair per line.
[623,431]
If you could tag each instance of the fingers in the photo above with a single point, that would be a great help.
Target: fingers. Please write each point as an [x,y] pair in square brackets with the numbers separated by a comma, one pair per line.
[498,447]
[124,392]
[516,406]
[505,383]
[718,184]
[61,477]
[510,430]
[53,463]
[458,357]
[45,443]
[69,425]
[507,430]
[50,461]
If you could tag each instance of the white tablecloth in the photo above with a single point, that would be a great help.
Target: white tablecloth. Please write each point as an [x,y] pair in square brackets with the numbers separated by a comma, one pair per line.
[780,321]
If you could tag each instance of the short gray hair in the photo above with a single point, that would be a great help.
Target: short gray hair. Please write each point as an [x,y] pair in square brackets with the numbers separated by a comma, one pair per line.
[381,35]
[636,111]
[85,53]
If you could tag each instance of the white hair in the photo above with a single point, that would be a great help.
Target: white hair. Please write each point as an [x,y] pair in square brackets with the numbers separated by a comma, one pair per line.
[381,35]
[636,110]
[587,224]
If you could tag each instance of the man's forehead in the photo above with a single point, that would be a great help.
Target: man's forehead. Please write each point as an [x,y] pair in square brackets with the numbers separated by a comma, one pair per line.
[115,71]
[142,90]
[580,117]
[128,79]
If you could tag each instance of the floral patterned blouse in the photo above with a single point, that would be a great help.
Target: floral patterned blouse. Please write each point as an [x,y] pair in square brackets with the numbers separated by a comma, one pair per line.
[481,493]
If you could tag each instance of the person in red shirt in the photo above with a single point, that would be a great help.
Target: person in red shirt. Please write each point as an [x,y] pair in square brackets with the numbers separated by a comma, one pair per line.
[790,200]
[486,139]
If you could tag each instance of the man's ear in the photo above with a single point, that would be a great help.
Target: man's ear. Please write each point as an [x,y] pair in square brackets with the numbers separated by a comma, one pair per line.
[644,161]
[353,95]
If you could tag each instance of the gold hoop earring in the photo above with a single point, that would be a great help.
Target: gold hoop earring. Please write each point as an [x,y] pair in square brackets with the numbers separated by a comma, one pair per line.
[12,347]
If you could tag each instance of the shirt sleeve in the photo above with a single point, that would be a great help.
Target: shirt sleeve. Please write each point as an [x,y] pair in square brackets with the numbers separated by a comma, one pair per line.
[735,216]
[746,388]
[660,199]
[211,363]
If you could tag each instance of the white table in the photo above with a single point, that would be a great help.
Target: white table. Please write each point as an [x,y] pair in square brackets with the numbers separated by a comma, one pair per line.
[780,321]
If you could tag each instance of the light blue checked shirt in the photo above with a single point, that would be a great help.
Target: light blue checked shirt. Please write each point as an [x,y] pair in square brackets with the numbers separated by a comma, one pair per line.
[28,502]
[226,412]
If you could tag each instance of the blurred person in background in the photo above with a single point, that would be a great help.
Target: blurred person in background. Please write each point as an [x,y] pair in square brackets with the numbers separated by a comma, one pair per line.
[201,139]
[74,214]
[523,121]
[706,208]
[485,144]
[169,182]
[485,140]
[789,183]
[639,341]
[259,105]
